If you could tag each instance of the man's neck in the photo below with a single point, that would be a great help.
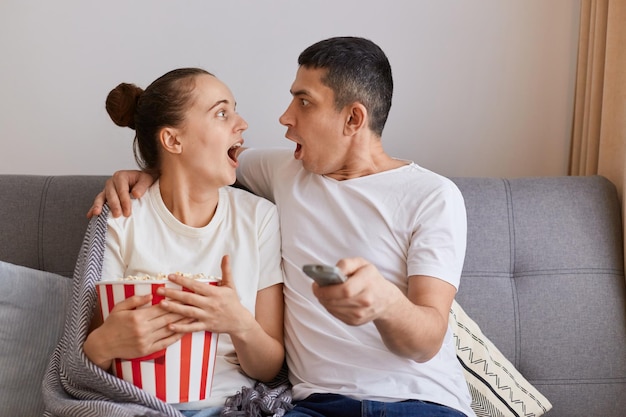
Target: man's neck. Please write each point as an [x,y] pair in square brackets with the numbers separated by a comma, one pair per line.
[366,159]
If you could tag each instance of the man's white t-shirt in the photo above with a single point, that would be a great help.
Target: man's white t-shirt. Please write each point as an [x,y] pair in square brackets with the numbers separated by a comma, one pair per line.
[153,241]
[406,221]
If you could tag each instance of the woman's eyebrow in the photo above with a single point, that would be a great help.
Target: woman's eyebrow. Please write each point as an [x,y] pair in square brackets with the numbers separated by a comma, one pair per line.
[225,101]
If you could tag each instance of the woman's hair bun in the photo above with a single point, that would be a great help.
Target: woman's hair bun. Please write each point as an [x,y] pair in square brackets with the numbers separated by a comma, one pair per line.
[121,104]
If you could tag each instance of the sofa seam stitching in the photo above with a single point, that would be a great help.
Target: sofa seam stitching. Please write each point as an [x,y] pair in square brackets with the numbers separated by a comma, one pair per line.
[40,229]
[515,300]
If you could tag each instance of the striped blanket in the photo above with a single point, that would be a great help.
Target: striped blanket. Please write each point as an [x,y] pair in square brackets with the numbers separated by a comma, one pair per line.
[74,386]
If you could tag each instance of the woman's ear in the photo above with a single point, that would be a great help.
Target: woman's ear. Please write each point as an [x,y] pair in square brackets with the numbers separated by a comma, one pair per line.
[356,119]
[169,140]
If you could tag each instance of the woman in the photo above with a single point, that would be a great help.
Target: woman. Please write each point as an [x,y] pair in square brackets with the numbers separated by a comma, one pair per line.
[187,132]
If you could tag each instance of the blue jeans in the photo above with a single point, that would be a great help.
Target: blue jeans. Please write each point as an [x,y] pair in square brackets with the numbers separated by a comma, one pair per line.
[334,405]
[207,412]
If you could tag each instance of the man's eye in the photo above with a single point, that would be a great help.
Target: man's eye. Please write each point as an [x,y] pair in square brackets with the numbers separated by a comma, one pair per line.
[304,102]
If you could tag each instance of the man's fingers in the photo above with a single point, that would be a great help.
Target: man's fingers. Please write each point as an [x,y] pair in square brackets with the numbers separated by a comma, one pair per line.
[140,184]
[123,183]
[96,208]
[349,266]
[118,194]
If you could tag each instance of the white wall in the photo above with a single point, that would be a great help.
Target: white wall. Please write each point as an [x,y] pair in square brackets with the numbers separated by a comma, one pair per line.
[482,88]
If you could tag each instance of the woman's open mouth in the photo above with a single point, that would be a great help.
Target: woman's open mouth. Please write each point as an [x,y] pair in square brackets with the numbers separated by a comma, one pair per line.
[232,152]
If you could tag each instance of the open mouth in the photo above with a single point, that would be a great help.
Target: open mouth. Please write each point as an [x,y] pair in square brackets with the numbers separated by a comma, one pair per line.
[232,151]
[297,153]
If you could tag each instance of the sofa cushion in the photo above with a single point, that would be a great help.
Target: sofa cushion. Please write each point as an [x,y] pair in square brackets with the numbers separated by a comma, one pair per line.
[33,307]
[497,388]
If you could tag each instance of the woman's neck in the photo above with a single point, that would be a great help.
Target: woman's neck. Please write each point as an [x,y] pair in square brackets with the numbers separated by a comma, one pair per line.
[192,204]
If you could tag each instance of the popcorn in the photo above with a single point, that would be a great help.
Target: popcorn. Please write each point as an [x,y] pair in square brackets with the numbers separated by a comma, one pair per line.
[163,277]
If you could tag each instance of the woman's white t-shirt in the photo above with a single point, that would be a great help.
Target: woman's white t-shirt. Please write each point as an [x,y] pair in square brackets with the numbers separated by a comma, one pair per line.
[153,241]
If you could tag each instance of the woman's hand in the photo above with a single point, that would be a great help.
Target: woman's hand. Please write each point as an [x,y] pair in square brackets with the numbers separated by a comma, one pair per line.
[214,308]
[258,338]
[130,332]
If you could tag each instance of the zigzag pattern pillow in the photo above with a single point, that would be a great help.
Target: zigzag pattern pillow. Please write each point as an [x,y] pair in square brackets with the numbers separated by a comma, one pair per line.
[497,388]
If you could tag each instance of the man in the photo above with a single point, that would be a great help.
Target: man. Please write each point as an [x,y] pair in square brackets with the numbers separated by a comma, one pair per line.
[378,344]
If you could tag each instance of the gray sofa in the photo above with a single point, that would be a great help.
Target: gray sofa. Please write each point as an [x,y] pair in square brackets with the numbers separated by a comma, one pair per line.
[543,278]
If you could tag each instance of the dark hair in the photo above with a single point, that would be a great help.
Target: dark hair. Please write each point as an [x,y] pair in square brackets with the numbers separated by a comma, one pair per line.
[358,71]
[162,104]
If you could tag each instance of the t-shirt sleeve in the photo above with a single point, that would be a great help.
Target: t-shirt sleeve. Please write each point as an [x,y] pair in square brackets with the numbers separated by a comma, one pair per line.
[113,263]
[439,237]
[257,168]
[271,271]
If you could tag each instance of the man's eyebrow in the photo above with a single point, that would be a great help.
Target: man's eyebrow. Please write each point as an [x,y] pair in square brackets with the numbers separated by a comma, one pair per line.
[299,92]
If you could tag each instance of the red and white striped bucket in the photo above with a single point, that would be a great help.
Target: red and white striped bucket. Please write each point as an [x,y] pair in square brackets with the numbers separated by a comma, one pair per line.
[181,373]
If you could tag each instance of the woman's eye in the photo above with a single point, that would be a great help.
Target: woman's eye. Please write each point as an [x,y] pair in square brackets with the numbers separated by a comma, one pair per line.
[221,113]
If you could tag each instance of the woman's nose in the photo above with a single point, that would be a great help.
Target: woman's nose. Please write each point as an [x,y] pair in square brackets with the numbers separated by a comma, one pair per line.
[242,125]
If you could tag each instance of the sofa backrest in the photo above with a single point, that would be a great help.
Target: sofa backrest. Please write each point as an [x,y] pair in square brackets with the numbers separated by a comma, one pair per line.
[43,219]
[544,279]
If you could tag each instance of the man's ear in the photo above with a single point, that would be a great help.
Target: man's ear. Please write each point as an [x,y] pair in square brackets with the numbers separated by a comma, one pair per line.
[356,119]
[169,140]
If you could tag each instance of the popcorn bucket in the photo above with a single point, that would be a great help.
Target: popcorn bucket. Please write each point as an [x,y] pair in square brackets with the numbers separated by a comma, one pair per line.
[180,373]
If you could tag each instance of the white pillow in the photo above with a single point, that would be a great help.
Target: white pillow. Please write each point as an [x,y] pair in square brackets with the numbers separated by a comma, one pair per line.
[497,388]
[32,312]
